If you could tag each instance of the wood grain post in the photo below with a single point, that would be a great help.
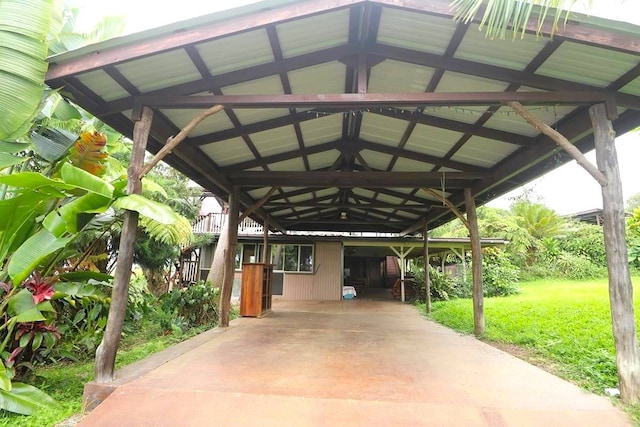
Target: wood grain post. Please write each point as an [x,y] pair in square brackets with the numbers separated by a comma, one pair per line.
[230,258]
[106,352]
[427,280]
[620,286]
[476,259]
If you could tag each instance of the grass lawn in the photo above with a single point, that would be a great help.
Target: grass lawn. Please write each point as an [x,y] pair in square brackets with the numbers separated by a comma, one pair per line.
[563,325]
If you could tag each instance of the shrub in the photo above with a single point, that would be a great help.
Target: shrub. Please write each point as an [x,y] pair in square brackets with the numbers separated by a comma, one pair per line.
[191,306]
[442,287]
[499,276]
[574,266]
[82,316]
[586,240]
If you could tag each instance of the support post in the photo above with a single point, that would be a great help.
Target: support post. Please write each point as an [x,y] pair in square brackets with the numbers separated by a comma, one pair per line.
[620,286]
[265,242]
[427,280]
[230,258]
[476,259]
[106,352]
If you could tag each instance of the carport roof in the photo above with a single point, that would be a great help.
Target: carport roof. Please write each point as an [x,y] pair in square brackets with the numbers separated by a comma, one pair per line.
[355,105]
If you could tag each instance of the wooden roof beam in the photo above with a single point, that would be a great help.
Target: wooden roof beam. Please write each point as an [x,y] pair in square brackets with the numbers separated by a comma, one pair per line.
[342,179]
[379,100]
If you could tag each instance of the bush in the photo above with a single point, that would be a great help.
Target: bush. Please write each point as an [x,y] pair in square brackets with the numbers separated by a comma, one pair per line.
[573,266]
[587,240]
[442,287]
[499,276]
[191,306]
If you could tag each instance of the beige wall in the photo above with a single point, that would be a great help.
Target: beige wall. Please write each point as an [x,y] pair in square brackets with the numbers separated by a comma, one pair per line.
[325,284]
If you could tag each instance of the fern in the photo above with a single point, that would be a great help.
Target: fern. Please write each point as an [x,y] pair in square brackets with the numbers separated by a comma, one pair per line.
[177,233]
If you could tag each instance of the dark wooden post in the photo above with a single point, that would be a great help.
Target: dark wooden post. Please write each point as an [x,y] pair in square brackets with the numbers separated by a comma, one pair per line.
[106,352]
[620,286]
[476,259]
[427,281]
[230,264]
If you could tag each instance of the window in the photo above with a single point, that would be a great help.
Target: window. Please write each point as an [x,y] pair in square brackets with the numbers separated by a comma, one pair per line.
[295,258]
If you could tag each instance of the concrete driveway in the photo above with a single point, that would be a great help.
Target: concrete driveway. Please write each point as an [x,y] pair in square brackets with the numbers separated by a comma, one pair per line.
[349,363]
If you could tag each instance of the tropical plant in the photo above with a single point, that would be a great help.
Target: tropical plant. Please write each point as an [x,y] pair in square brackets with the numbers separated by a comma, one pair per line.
[499,276]
[195,305]
[500,18]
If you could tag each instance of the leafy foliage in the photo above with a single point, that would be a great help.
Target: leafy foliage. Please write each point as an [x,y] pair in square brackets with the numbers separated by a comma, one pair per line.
[499,276]
[512,17]
[195,305]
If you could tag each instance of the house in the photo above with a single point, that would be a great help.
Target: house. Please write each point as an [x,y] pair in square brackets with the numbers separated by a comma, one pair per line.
[316,265]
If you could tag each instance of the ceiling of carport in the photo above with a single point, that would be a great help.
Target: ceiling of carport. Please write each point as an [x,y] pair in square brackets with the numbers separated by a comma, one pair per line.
[355,105]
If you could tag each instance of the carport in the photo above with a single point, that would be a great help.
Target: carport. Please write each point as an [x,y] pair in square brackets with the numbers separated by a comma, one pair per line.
[366,115]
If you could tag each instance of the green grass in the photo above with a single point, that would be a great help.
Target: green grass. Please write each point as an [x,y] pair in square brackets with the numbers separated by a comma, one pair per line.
[563,325]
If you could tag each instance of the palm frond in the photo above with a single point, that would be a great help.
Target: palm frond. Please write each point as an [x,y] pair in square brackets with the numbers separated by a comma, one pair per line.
[500,17]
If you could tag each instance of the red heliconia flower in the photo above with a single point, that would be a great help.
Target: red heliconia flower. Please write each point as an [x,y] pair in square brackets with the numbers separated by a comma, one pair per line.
[42,289]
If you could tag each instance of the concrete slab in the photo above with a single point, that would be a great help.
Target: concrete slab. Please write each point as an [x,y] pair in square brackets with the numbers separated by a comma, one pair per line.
[352,362]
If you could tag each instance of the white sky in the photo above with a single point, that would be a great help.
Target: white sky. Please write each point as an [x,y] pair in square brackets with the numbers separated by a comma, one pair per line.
[567,189]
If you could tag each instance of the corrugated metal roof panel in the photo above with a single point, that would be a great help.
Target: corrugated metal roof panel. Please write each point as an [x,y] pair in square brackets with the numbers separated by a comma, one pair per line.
[384,77]
[362,192]
[275,141]
[414,30]
[300,197]
[265,86]
[213,123]
[228,152]
[475,151]
[323,160]
[633,87]
[407,165]
[301,36]
[587,64]
[375,160]
[323,78]
[389,199]
[381,129]
[431,140]
[158,71]
[466,115]
[288,165]
[321,130]
[103,85]
[508,120]
[236,52]
[249,115]
[514,54]
[458,82]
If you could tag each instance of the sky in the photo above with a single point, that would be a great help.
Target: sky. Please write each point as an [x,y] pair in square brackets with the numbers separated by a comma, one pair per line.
[568,189]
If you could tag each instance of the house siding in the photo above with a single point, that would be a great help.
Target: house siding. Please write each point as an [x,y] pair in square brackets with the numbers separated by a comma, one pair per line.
[325,284]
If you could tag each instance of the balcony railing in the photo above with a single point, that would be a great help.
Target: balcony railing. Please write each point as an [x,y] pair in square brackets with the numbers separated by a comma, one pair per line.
[212,224]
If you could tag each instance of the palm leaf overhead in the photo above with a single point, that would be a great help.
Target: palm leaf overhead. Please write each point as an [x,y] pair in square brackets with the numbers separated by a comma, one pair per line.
[24,26]
[500,17]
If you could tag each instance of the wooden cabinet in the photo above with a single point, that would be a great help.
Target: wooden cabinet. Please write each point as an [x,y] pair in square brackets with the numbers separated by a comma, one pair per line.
[255,296]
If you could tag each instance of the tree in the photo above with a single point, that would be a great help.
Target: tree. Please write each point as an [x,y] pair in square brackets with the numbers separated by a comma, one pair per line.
[633,202]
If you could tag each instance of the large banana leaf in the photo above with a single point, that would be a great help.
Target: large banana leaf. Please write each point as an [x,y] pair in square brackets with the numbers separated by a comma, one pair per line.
[32,181]
[24,25]
[8,160]
[13,147]
[32,252]
[53,143]
[86,181]
[25,399]
[148,208]
[74,215]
